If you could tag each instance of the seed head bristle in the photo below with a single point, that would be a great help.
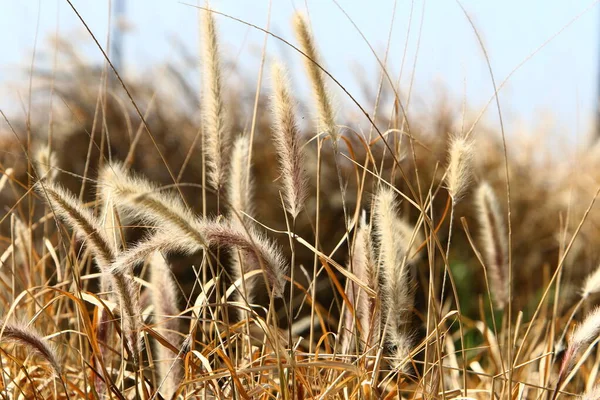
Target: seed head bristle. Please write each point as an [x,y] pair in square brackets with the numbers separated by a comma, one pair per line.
[46,162]
[165,301]
[70,209]
[140,199]
[240,180]
[33,340]
[216,128]
[256,250]
[393,246]
[7,173]
[592,394]
[458,175]
[592,284]
[325,112]
[365,268]
[286,137]
[495,247]
[587,331]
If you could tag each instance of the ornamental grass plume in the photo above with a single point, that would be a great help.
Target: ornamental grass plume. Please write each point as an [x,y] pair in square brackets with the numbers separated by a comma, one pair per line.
[33,340]
[362,262]
[240,187]
[393,245]
[459,171]
[216,125]
[166,319]
[585,333]
[495,247]
[325,112]
[70,209]
[46,161]
[286,138]
[142,200]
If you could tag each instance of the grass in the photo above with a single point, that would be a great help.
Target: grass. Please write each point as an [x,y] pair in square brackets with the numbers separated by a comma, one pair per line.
[147,253]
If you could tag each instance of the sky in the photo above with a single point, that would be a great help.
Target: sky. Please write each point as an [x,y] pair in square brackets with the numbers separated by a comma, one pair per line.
[432,43]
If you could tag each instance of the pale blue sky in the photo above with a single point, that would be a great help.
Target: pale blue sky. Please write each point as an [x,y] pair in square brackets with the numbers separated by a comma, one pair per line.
[560,80]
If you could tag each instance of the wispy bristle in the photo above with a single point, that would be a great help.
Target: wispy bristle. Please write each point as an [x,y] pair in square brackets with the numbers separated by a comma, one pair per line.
[587,331]
[109,216]
[495,248]
[240,181]
[216,129]
[46,162]
[162,241]
[365,267]
[68,208]
[29,337]
[326,114]
[592,283]
[582,336]
[140,199]
[592,394]
[165,301]
[459,166]
[400,356]
[257,251]
[286,136]
[393,246]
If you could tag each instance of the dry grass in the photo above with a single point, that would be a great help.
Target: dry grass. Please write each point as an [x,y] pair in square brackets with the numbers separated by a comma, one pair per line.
[276,268]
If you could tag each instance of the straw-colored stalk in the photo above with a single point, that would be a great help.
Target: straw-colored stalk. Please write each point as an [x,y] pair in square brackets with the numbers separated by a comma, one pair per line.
[495,247]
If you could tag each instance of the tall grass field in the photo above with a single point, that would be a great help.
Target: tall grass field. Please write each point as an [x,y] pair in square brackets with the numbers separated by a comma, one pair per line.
[227,243]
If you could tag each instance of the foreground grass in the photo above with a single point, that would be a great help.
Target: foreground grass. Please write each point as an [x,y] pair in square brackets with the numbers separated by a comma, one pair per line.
[381,263]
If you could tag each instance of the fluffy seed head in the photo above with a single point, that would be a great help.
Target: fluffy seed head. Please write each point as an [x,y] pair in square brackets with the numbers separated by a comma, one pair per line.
[216,129]
[587,331]
[165,300]
[33,340]
[393,245]
[459,166]
[286,135]
[46,162]
[325,112]
[70,209]
[592,283]
[495,248]
[7,172]
[257,251]
[240,181]
[592,394]
[365,268]
[141,200]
